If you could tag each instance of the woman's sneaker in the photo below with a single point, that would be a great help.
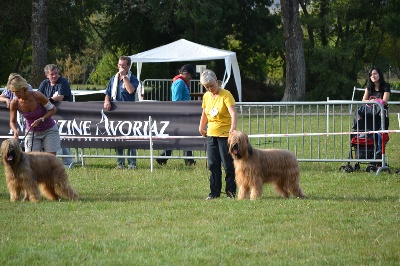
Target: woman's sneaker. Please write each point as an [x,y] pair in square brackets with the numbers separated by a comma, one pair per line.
[161,161]
[190,162]
[211,197]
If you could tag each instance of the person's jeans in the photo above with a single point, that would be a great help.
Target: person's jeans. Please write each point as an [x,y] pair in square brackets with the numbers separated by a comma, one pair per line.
[130,152]
[217,153]
[66,160]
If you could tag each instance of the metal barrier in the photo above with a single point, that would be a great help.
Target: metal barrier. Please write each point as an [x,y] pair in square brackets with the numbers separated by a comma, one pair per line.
[78,93]
[160,89]
[313,131]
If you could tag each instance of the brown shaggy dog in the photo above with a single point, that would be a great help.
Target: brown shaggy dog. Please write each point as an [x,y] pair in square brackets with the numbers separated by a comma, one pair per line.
[254,167]
[29,171]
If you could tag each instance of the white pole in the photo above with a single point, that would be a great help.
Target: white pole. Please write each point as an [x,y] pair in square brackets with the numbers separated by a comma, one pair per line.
[151,145]
[327,115]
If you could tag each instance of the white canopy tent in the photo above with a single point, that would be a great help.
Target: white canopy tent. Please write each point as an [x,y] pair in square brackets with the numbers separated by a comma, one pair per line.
[183,50]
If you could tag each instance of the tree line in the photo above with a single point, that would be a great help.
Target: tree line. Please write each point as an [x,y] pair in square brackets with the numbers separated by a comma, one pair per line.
[338,41]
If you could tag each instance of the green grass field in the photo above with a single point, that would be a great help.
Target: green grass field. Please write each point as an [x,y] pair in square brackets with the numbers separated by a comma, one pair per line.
[161,218]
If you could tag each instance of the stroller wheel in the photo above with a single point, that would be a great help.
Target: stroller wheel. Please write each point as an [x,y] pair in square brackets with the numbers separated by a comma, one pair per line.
[346,168]
[357,167]
[371,168]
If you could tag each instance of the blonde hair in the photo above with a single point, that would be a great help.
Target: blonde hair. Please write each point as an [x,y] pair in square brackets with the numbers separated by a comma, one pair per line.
[12,75]
[16,82]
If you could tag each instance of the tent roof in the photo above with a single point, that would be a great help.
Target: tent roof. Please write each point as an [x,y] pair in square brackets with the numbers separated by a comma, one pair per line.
[181,50]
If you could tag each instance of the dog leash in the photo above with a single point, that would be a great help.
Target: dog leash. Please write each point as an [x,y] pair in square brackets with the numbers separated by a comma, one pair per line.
[26,134]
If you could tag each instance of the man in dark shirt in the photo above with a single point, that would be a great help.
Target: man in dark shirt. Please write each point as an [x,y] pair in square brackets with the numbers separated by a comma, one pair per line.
[57,89]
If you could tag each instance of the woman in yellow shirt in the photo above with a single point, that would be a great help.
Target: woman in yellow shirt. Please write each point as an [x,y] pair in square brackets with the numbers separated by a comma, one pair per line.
[219,114]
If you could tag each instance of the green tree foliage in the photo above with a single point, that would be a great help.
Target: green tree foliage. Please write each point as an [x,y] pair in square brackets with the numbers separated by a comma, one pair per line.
[68,33]
[343,39]
[161,22]
[136,26]
[259,38]
[106,68]
[72,37]
[15,42]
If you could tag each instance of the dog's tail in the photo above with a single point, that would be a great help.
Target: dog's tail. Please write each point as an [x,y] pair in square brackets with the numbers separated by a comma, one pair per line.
[65,191]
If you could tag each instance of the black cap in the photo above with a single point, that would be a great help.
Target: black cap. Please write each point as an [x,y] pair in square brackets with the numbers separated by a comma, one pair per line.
[188,68]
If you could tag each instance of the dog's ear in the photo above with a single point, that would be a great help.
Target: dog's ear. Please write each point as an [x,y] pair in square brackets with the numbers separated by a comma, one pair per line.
[250,150]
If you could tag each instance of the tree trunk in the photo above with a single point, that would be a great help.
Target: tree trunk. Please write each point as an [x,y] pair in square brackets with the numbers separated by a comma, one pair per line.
[295,62]
[39,40]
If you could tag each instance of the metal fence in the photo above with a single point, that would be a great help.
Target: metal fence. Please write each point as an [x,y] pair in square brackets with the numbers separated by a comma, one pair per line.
[316,131]
[313,131]
[160,89]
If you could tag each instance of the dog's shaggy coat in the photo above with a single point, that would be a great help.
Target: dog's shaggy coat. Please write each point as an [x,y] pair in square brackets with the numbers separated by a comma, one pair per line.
[26,172]
[254,167]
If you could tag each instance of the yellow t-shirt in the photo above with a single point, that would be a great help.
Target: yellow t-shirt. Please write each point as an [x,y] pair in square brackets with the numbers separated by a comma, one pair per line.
[220,123]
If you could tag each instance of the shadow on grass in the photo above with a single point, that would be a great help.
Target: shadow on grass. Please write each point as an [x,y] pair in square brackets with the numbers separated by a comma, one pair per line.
[157,198]
[119,197]
[175,167]
[133,198]
[356,198]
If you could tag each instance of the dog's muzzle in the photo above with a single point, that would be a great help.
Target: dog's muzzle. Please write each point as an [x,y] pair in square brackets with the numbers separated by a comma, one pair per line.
[10,156]
[235,151]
